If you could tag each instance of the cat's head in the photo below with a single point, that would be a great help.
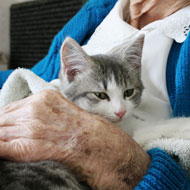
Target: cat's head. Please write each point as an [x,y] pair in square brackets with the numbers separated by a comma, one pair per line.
[107,85]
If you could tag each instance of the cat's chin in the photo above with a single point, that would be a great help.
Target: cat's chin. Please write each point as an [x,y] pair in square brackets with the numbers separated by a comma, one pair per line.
[111,119]
[116,121]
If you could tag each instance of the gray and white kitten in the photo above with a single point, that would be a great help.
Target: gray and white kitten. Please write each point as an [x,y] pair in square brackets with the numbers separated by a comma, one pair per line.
[108,85]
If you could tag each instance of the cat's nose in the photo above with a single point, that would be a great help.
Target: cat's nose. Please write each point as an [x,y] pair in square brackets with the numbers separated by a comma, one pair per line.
[120,114]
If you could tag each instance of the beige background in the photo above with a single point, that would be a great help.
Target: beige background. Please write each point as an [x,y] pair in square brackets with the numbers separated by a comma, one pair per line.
[4,24]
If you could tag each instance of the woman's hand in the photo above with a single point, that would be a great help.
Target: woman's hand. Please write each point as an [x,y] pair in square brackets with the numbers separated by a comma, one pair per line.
[47,126]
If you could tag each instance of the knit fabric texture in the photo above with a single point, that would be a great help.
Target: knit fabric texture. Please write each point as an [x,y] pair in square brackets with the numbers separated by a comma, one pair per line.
[178,78]
[164,173]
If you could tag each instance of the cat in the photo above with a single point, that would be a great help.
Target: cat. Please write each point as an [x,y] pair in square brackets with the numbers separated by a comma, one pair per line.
[108,85]
[43,175]
[111,86]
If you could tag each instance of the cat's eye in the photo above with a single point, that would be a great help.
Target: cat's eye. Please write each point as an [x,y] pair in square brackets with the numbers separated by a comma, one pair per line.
[128,93]
[101,95]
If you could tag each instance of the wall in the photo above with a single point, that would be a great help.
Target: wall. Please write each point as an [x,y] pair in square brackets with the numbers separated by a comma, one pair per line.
[4,24]
[84,1]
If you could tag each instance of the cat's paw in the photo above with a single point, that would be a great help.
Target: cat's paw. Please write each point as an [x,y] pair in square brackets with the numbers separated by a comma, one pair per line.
[144,137]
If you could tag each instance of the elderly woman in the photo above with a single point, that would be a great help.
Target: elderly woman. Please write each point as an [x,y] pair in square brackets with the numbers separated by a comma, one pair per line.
[119,162]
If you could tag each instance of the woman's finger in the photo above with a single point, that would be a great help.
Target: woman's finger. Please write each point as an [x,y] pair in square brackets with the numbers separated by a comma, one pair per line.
[9,133]
[7,119]
[23,149]
[5,149]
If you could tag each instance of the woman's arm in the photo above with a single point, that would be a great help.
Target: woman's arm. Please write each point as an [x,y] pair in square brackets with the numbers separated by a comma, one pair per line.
[47,126]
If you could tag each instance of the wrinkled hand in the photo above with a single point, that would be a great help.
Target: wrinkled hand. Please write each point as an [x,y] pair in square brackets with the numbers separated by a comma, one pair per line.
[47,126]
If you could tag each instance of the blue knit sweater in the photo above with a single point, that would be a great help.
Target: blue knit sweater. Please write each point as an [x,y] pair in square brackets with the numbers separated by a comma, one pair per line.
[164,173]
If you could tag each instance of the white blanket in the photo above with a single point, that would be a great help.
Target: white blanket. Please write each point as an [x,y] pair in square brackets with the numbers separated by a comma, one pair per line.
[21,83]
[176,147]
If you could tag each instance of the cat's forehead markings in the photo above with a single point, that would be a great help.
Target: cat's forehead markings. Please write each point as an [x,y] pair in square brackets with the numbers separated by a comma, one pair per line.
[112,85]
[109,84]
[104,85]
[101,85]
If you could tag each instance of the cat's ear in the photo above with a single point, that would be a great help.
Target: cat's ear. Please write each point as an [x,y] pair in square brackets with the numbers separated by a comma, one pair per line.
[74,61]
[130,51]
[133,53]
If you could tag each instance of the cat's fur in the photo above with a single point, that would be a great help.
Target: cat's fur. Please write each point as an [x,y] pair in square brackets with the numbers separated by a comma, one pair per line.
[81,76]
[44,175]
[145,118]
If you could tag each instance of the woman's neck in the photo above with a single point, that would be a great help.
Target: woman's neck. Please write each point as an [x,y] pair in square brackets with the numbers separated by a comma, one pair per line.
[143,12]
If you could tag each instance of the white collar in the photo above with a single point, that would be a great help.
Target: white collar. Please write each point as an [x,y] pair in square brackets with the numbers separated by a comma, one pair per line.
[175,26]
[114,30]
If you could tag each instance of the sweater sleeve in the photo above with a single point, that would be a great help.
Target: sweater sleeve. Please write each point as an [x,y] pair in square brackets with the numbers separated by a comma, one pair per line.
[80,27]
[163,174]
[178,77]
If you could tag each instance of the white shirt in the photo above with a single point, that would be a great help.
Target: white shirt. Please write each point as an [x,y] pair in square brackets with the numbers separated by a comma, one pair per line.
[159,36]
